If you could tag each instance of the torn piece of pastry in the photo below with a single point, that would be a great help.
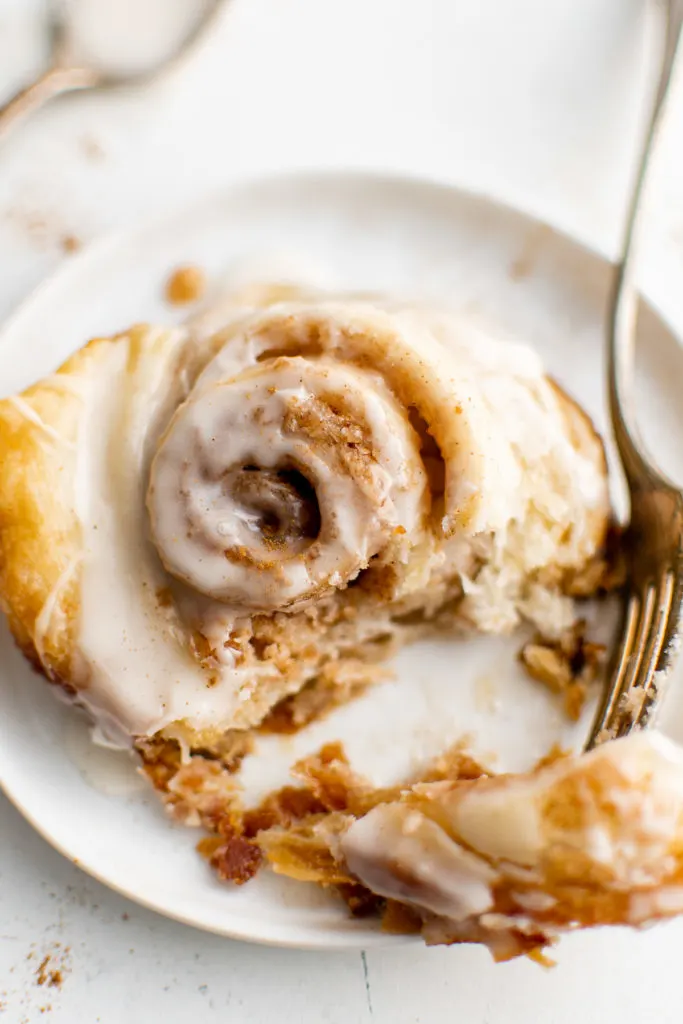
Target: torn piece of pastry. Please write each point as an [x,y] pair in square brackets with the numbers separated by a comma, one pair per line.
[194,527]
[567,665]
[511,861]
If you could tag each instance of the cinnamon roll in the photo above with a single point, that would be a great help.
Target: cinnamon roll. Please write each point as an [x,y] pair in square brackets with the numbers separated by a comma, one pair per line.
[196,523]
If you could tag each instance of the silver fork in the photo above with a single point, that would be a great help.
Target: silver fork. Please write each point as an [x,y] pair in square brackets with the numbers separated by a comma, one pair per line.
[653,541]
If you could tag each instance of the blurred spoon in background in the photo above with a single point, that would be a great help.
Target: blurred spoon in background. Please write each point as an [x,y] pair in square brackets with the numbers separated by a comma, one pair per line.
[97,44]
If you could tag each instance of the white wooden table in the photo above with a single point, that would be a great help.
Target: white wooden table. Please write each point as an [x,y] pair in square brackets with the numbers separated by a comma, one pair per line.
[537,103]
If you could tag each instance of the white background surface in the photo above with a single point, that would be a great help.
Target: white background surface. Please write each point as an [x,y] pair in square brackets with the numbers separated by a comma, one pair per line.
[537,103]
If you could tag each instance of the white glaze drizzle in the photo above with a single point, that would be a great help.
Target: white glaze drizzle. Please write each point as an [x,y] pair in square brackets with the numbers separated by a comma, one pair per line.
[46,613]
[29,413]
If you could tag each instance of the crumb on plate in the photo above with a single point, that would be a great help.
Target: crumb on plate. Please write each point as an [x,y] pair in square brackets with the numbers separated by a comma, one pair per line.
[185,285]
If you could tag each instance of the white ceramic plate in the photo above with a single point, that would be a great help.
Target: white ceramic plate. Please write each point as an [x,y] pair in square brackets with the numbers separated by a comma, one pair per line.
[356,232]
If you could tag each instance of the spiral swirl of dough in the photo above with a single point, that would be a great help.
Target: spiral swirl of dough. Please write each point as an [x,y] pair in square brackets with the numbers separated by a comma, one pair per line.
[294,461]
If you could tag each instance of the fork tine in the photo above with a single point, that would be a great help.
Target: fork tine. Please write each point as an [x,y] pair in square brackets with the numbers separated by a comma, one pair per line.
[633,672]
[654,647]
[613,692]
[632,689]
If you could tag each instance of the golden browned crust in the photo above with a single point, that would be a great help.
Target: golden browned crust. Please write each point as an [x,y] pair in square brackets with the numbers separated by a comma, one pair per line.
[40,535]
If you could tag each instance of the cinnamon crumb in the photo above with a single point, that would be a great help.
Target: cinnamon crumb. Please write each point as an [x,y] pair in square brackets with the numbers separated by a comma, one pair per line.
[164,597]
[604,573]
[234,859]
[70,243]
[92,148]
[41,972]
[337,684]
[161,760]
[555,754]
[631,702]
[567,666]
[51,970]
[454,765]
[524,263]
[539,957]
[361,902]
[281,808]
[185,285]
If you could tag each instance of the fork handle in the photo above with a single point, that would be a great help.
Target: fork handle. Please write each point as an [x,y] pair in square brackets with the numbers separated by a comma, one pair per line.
[624,299]
[53,82]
